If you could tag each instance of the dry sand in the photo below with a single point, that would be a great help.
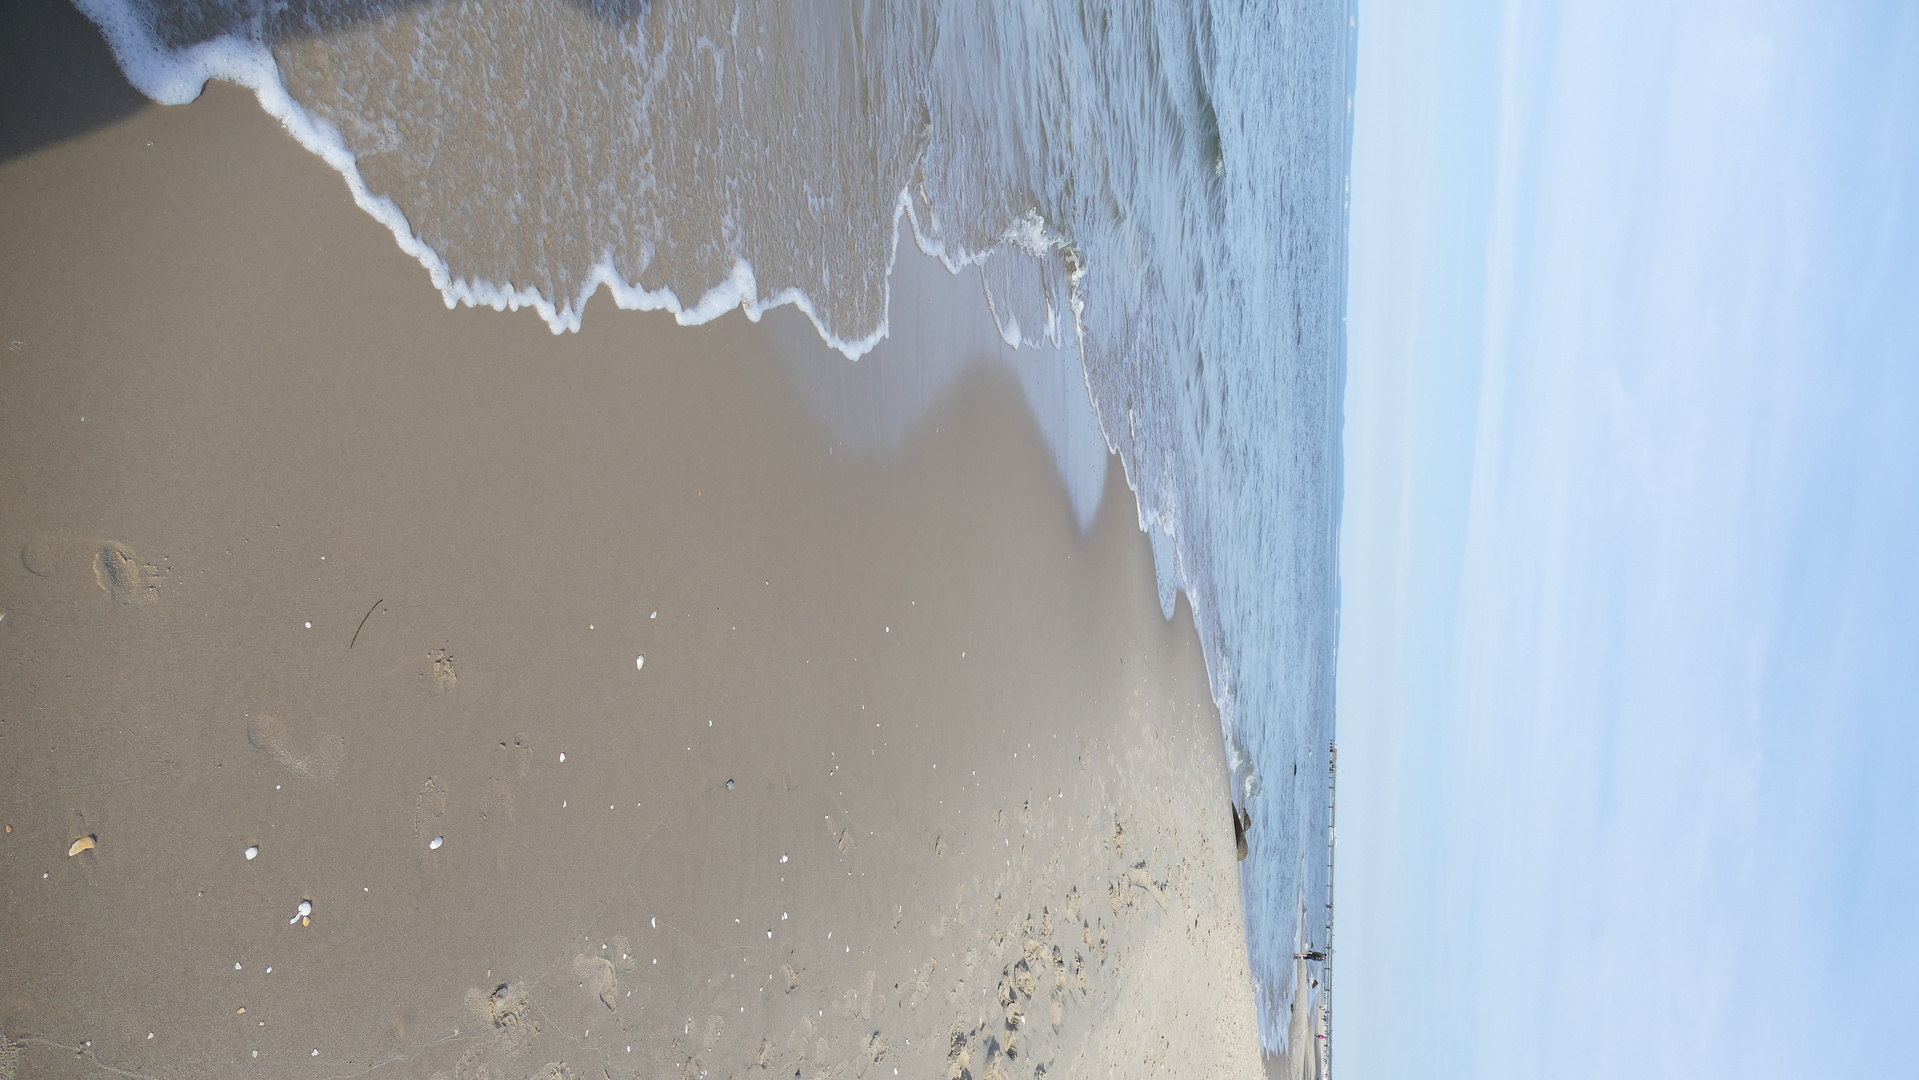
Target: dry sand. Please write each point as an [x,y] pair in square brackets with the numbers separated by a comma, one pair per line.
[914,780]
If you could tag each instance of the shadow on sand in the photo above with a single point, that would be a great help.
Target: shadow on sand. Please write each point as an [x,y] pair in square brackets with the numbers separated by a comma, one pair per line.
[58,79]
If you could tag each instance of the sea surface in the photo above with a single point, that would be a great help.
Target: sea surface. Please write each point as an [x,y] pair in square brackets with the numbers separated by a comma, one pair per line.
[1159,187]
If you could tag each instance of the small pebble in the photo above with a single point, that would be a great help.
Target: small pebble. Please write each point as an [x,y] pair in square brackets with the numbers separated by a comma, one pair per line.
[309,626]
[252,851]
[639,663]
[562,755]
[434,844]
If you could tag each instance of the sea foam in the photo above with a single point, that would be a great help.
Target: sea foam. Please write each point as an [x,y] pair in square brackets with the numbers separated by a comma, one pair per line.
[177,76]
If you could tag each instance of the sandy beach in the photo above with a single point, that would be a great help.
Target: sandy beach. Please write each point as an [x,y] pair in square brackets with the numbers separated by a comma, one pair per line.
[606,717]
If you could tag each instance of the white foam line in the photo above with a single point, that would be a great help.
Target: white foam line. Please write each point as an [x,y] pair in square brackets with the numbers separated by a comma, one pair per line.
[178,76]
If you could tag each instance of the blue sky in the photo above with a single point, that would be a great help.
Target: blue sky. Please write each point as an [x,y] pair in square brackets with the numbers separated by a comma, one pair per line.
[1629,668]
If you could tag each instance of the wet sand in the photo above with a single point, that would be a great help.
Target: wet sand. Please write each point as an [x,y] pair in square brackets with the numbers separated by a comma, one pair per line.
[1305,1056]
[913,780]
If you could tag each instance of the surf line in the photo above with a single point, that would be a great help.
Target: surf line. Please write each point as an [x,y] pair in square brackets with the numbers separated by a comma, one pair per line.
[363,619]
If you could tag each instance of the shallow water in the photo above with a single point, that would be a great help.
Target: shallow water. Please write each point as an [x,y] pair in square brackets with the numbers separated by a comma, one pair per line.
[1161,188]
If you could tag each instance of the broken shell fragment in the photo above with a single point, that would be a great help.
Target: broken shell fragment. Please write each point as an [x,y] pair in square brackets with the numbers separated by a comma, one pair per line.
[85,843]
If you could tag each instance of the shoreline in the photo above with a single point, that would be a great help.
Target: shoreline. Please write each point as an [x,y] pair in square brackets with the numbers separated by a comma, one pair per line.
[334,573]
[1307,1029]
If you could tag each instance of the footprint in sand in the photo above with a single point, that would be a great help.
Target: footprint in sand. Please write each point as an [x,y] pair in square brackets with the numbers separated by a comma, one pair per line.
[78,562]
[512,761]
[505,1011]
[308,756]
[597,977]
[438,673]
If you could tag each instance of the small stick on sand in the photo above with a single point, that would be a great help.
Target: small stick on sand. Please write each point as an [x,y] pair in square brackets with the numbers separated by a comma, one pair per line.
[363,619]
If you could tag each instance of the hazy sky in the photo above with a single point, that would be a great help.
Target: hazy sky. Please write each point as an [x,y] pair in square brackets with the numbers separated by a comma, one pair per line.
[1629,668]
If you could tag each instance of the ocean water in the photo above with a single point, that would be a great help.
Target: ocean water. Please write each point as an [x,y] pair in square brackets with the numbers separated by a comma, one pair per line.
[1157,190]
